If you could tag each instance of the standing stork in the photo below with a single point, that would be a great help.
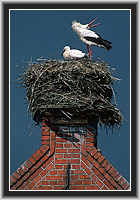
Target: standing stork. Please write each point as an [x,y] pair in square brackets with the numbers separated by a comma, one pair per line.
[90,37]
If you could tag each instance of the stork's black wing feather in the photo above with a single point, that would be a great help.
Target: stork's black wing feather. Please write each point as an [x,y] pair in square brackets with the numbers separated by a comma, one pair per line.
[100,41]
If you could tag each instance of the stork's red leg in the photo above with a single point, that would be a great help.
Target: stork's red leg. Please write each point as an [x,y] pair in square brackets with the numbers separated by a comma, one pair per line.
[90,52]
[88,49]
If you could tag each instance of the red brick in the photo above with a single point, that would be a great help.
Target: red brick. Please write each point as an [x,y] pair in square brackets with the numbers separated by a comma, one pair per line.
[86,161]
[22,187]
[118,187]
[53,177]
[37,179]
[38,164]
[108,166]
[104,163]
[28,163]
[52,182]
[88,171]
[83,165]
[107,176]
[52,147]
[117,178]
[77,145]
[45,142]
[32,170]
[84,177]
[104,188]
[97,173]
[48,161]
[90,144]
[20,171]
[46,183]
[32,160]
[61,161]
[101,170]
[73,151]
[58,166]
[91,159]
[43,149]
[52,135]
[94,177]
[11,183]
[25,176]
[93,151]
[75,177]
[111,170]
[61,182]
[108,185]
[35,173]
[113,183]
[98,182]
[128,188]
[101,159]
[59,145]
[17,175]
[61,172]
[67,145]
[45,157]
[61,150]
[125,185]
[77,187]
[96,164]
[13,187]
[44,137]
[49,167]
[60,140]
[86,182]
[45,132]
[71,182]
[44,172]
[35,156]
[59,155]
[72,171]
[53,172]
[45,188]
[78,171]
[76,155]
[97,155]
[20,182]
[88,149]
[39,153]
[74,161]
[79,182]
[31,185]
[58,187]
[89,140]
[94,187]
[75,166]
[114,173]
[68,155]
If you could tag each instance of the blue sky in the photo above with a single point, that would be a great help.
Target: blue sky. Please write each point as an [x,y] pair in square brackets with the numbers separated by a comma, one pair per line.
[45,33]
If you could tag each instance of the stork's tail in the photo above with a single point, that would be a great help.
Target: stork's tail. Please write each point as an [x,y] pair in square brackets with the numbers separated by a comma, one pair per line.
[107,44]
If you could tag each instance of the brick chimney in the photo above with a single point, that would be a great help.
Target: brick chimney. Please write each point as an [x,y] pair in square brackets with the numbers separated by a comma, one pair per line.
[68,159]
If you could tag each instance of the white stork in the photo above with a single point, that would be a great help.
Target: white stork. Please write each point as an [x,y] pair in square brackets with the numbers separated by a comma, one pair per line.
[71,54]
[90,37]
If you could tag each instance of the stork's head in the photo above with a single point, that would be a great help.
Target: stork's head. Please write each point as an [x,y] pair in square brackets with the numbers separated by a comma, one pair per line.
[66,48]
[86,26]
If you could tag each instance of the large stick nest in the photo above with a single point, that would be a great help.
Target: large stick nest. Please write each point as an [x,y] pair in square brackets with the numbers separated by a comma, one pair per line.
[71,88]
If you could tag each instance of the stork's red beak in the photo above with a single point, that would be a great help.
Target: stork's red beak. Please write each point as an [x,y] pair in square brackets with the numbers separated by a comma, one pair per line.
[89,25]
